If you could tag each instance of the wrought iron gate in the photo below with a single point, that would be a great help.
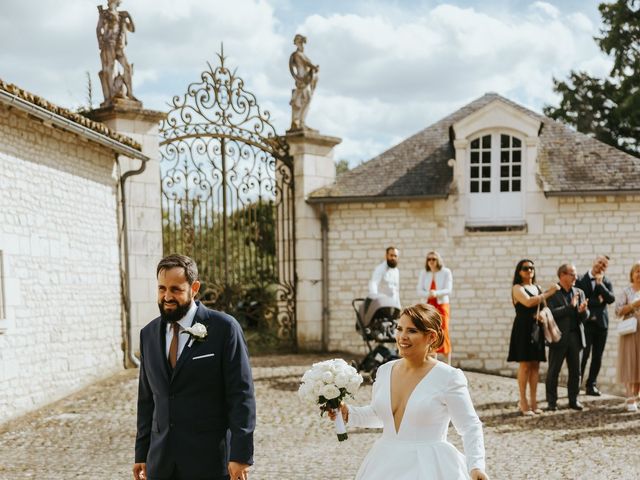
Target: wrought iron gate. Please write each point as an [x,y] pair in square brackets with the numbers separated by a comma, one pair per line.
[227,200]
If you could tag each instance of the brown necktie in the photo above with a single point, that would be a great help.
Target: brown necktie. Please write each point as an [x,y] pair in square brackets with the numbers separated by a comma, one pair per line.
[173,347]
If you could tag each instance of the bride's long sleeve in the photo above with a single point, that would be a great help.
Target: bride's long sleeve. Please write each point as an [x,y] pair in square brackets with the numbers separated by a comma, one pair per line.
[365,417]
[465,420]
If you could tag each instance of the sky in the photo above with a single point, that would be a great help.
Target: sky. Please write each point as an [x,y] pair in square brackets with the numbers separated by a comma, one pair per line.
[388,68]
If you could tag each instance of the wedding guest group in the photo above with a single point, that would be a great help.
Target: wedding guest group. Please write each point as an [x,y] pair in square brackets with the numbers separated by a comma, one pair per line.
[628,372]
[599,293]
[435,285]
[527,296]
[196,405]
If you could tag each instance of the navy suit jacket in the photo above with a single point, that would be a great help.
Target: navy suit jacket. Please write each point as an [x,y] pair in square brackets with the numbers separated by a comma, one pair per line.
[598,309]
[202,415]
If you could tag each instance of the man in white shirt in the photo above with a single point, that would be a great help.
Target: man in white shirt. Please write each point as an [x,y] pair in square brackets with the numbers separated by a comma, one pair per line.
[385,279]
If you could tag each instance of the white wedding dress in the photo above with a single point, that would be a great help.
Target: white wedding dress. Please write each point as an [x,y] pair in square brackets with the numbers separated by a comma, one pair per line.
[419,450]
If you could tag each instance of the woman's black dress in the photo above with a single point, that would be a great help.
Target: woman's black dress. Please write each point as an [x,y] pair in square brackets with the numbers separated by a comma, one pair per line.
[521,349]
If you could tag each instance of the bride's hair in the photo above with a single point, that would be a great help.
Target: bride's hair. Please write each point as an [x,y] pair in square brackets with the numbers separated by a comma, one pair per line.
[426,318]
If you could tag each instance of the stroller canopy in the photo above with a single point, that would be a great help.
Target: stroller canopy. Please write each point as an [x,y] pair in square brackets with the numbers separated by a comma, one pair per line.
[376,306]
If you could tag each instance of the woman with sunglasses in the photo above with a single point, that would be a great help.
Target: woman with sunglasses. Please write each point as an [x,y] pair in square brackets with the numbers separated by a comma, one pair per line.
[434,287]
[526,295]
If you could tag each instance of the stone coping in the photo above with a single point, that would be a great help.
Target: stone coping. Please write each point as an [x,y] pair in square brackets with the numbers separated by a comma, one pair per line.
[68,114]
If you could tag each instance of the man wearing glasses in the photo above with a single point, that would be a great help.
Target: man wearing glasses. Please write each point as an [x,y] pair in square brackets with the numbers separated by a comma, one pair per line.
[569,308]
[599,292]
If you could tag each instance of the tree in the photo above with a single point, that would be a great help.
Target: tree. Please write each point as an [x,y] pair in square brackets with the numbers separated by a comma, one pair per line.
[608,109]
[342,166]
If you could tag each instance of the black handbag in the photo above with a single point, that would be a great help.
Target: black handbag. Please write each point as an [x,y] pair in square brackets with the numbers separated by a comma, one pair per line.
[536,331]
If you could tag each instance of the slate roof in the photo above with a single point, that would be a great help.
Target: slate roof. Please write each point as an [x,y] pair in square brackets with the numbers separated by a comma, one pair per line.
[570,163]
[69,115]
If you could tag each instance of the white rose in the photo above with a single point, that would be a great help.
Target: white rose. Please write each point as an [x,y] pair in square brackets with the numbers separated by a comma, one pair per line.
[310,376]
[330,392]
[317,387]
[327,377]
[197,330]
[305,393]
[353,385]
[342,380]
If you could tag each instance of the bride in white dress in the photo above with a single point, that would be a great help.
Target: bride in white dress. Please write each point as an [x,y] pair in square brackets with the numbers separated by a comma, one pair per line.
[413,400]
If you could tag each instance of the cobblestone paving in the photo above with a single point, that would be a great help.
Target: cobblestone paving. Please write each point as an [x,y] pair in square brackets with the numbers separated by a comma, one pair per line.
[90,434]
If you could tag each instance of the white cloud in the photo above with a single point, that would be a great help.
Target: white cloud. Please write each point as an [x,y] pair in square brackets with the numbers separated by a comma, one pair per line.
[385,71]
[546,8]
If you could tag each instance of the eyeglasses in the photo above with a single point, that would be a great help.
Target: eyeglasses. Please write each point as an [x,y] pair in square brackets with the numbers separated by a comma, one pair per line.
[528,269]
[431,259]
[571,274]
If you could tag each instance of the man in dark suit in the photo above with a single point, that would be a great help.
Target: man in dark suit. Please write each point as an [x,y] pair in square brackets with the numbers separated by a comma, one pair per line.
[599,292]
[569,308]
[196,403]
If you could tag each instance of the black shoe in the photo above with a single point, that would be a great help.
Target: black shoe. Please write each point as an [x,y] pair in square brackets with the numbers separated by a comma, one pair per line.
[593,391]
[576,405]
[552,407]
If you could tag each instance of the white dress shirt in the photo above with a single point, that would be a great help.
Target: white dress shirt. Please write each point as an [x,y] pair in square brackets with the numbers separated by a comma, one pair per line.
[385,281]
[185,321]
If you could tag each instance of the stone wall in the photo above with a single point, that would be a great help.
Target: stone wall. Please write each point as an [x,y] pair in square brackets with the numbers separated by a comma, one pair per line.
[144,216]
[59,239]
[559,229]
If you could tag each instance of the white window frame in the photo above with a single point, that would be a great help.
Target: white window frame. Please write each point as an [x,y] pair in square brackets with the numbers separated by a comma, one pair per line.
[487,204]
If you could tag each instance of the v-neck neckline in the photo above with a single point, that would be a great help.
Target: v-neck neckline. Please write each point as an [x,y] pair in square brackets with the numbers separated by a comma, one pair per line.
[397,431]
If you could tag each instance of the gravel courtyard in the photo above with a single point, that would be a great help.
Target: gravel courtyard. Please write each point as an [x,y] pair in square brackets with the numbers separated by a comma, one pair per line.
[90,434]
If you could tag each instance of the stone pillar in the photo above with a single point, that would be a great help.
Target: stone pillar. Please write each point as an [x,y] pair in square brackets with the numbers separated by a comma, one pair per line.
[143,206]
[313,168]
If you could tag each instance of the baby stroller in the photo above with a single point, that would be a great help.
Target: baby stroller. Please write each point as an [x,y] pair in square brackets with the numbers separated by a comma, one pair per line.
[376,320]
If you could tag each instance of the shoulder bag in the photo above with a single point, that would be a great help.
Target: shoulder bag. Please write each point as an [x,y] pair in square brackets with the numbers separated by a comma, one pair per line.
[625,327]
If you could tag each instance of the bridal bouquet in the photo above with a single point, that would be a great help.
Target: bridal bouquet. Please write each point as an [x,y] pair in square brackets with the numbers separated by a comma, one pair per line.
[327,384]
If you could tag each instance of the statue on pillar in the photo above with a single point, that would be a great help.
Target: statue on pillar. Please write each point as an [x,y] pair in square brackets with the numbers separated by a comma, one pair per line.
[112,39]
[305,75]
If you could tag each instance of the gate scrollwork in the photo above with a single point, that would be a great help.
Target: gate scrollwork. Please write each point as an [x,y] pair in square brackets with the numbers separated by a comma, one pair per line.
[227,200]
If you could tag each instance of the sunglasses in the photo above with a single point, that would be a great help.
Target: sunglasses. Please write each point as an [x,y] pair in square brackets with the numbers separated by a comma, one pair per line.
[431,259]
[528,269]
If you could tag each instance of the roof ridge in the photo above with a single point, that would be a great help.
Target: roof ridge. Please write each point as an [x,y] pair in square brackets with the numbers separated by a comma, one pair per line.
[68,114]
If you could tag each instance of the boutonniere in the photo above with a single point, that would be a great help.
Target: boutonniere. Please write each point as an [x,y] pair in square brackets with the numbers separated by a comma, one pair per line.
[197,332]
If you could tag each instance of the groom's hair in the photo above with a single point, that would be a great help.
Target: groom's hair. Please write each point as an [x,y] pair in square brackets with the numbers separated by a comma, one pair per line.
[179,261]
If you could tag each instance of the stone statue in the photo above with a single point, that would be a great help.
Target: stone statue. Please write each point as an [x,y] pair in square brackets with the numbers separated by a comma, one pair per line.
[305,75]
[112,38]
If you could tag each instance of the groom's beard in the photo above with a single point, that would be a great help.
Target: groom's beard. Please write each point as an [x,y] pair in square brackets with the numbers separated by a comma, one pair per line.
[392,263]
[175,314]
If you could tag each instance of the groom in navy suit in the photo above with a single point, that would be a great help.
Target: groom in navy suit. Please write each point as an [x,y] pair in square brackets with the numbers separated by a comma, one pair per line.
[196,403]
